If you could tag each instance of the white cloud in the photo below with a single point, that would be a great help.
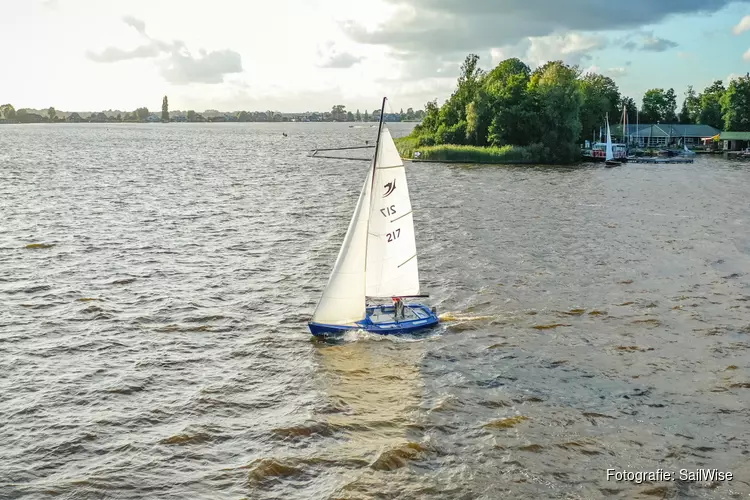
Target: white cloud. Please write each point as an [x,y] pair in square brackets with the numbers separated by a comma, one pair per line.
[742,26]
[591,69]
[445,26]
[652,43]
[645,41]
[746,55]
[619,71]
[182,68]
[178,66]
[572,48]
[332,57]
[410,50]
[139,25]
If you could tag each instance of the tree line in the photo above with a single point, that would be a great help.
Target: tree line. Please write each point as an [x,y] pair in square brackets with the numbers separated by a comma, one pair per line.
[337,113]
[555,107]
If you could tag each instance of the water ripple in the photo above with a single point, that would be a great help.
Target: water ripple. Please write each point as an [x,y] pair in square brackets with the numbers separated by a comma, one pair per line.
[155,283]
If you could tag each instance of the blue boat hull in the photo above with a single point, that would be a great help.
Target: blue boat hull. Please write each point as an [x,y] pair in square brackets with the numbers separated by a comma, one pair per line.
[423,318]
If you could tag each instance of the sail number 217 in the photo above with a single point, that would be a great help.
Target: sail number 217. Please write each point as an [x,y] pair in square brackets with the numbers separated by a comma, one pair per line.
[388,210]
[393,235]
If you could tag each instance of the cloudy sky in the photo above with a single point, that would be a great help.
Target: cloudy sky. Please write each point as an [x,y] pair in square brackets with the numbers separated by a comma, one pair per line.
[297,55]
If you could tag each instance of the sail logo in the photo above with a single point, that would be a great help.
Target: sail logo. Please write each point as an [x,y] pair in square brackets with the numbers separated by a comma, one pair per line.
[389,188]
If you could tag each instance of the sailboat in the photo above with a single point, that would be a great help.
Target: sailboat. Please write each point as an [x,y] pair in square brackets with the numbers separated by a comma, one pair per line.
[609,159]
[377,261]
[685,151]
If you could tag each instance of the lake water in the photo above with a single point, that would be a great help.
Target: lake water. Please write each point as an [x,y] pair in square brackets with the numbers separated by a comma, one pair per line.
[153,337]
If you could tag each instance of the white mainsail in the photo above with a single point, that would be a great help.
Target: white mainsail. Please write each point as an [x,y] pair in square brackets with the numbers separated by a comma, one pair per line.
[610,153]
[378,257]
[343,300]
[392,268]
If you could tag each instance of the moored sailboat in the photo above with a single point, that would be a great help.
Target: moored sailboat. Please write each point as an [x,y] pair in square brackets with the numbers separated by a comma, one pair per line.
[377,261]
[609,160]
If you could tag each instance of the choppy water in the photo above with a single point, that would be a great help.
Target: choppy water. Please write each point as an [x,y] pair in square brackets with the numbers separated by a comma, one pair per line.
[155,282]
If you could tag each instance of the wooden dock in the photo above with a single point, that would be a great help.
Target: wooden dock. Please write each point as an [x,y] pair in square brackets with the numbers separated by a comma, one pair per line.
[736,155]
[660,160]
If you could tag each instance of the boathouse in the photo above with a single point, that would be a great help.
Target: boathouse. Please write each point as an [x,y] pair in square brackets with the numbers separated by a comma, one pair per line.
[663,134]
[734,141]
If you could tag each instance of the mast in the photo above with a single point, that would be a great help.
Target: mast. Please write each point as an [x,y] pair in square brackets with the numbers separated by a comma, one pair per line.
[377,143]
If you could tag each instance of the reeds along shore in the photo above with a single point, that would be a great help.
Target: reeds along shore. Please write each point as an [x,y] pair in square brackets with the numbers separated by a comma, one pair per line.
[407,146]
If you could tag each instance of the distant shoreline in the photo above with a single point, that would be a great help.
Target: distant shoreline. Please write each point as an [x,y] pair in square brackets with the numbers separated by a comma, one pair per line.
[65,122]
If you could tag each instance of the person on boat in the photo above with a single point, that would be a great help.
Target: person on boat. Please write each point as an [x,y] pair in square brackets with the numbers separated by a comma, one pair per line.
[398,307]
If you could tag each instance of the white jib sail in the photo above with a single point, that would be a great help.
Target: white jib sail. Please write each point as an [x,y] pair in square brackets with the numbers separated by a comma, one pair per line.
[610,154]
[392,268]
[343,300]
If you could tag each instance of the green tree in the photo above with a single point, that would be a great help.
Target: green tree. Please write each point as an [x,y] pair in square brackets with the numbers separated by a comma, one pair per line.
[710,105]
[453,124]
[651,105]
[349,116]
[600,96]
[118,117]
[165,109]
[670,108]
[690,111]
[8,111]
[629,104]
[512,108]
[190,116]
[366,116]
[555,91]
[431,121]
[473,123]
[735,105]
[410,114]
[357,116]
[684,116]
[51,114]
[469,81]
[142,113]
[659,106]
[338,112]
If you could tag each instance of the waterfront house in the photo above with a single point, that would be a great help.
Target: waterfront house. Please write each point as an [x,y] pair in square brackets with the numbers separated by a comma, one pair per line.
[734,141]
[663,134]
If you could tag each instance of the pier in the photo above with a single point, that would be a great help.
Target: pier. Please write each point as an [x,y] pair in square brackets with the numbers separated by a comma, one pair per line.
[660,160]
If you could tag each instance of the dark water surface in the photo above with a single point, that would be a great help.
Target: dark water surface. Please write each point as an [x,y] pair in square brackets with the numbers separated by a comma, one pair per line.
[155,282]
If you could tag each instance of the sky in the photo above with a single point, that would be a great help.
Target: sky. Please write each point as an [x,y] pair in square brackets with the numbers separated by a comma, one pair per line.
[308,55]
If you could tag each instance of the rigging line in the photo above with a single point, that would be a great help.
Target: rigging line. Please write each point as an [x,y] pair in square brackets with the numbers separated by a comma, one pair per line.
[407,260]
[402,296]
[341,158]
[397,218]
[341,149]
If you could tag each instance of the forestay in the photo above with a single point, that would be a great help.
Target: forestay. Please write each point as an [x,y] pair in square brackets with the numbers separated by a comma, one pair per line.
[392,268]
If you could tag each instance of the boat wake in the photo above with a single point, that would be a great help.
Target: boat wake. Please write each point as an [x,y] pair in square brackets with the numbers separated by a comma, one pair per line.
[452,316]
